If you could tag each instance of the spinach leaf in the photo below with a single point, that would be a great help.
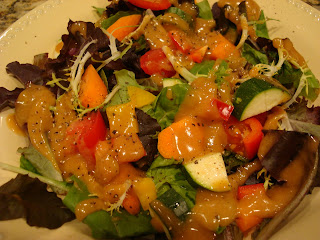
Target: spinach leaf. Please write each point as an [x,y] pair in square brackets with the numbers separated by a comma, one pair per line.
[203,68]
[164,109]
[124,78]
[253,56]
[171,176]
[185,16]
[204,10]
[261,28]
[233,161]
[287,74]
[25,197]
[106,225]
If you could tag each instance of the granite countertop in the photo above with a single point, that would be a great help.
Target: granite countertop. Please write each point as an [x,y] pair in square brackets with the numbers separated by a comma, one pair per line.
[12,10]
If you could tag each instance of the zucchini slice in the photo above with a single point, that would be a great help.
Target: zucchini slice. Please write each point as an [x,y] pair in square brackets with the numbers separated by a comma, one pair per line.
[209,172]
[256,96]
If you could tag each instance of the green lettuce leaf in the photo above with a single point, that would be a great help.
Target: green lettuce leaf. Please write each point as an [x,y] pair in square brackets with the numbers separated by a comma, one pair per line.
[185,16]
[261,28]
[253,56]
[164,109]
[204,10]
[124,78]
[40,163]
[27,165]
[288,74]
[99,10]
[167,176]
[310,91]
[203,68]
[119,224]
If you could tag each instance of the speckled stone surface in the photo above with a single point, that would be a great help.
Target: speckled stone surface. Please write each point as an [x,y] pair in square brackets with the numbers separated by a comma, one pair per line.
[12,10]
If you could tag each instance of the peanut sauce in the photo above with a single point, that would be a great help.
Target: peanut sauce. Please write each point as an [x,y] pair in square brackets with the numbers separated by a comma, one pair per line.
[80,27]
[13,125]
[290,50]
[33,108]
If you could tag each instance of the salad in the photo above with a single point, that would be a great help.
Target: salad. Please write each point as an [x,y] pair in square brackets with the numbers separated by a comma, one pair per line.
[167,119]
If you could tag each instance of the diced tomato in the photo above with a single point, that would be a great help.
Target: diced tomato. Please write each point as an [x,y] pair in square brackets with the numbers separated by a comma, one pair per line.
[86,133]
[224,109]
[197,55]
[156,62]
[244,137]
[180,40]
[151,4]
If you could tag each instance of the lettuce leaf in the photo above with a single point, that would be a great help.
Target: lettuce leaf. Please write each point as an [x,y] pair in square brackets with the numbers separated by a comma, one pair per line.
[164,109]
[203,68]
[106,225]
[40,163]
[288,75]
[204,10]
[261,28]
[253,56]
[25,197]
[124,78]
[167,174]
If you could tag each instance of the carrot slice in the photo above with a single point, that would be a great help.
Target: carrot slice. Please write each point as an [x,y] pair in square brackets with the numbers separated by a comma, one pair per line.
[223,48]
[123,26]
[131,203]
[93,91]
[181,140]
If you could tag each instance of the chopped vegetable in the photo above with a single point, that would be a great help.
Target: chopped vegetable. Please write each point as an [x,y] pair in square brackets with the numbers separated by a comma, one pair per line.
[223,48]
[93,91]
[153,5]
[123,26]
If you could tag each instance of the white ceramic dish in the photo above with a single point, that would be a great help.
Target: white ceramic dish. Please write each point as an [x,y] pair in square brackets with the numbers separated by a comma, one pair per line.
[39,31]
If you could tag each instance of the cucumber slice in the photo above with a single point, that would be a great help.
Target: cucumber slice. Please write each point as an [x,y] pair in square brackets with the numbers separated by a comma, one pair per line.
[169,82]
[256,96]
[209,172]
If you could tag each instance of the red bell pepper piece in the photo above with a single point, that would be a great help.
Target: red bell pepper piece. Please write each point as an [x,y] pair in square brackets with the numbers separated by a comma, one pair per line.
[156,62]
[87,132]
[249,189]
[180,41]
[224,109]
[151,4]
[253,138]
[246,222]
